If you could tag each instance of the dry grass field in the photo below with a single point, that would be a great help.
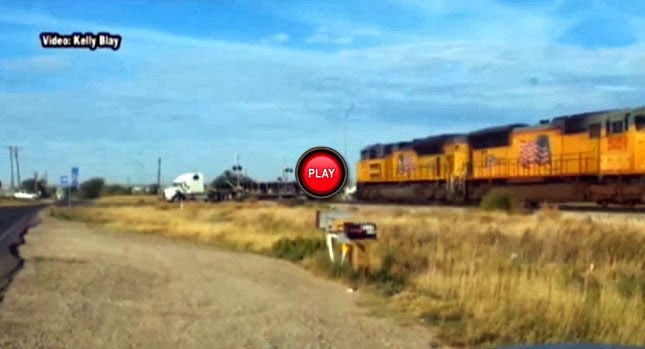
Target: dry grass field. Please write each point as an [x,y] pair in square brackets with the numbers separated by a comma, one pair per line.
[13,202]
[481,278]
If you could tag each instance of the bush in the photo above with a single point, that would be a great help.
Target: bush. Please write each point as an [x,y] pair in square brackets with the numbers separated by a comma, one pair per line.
[387,281]
[30,185]
[116,189]
[92,188]
[297,249]
[500,199]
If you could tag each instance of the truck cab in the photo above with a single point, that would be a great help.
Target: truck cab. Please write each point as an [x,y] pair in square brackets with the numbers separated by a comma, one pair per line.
[188,186]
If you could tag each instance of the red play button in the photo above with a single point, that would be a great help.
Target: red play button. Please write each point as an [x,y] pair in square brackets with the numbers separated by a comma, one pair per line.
[321,172]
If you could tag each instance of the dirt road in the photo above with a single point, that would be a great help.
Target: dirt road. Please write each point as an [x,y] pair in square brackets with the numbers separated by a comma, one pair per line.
[82,288]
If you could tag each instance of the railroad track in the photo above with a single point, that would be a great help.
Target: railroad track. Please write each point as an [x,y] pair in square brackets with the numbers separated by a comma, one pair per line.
[567,207]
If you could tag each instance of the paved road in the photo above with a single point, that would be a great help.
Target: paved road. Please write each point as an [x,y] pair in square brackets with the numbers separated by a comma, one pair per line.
[13,222]
[82,287]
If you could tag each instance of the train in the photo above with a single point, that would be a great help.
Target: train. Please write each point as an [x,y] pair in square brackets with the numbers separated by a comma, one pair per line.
[594,157]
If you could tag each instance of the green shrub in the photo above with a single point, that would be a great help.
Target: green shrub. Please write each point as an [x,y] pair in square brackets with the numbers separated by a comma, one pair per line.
[501,199]
[385,279]
[297,249]
[92,188]
[631,284]
[293,202]
[116,189]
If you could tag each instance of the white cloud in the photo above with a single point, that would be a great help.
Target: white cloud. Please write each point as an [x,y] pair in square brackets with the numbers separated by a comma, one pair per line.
[40,64]
[279,38]
[322,36]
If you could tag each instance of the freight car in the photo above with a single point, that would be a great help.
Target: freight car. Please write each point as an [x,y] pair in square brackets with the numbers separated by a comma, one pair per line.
[590,157]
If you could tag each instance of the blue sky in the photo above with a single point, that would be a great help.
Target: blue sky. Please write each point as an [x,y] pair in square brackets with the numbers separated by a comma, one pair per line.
[198,82]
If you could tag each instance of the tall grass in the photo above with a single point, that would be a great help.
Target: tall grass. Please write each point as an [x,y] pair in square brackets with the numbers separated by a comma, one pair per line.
[252,226]
[482,278]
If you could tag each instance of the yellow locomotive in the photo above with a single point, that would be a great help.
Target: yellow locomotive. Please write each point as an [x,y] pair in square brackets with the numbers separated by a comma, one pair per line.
[597,156]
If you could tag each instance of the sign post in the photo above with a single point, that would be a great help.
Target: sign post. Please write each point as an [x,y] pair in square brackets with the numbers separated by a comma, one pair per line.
[75,177]
[74,184]
[65,184]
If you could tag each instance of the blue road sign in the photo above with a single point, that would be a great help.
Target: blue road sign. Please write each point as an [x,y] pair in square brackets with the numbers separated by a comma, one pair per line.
[63,181]
[74,177]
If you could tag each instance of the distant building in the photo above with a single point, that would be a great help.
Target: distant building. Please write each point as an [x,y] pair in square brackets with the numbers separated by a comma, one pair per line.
[137,190]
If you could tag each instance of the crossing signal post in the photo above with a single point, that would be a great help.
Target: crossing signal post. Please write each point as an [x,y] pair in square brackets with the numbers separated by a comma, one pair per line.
[237,170]
[75,177]
[64,184]
[284,180]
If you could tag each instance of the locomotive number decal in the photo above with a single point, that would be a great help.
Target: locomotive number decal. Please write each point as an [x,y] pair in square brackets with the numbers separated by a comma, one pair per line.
[617,143]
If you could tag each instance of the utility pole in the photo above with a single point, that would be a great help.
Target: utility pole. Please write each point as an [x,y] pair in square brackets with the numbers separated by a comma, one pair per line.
[36,182]
[158,175]
[15,150]
[11,161]
[239,170]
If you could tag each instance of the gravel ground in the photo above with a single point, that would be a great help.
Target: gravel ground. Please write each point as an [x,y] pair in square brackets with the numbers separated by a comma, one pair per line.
[86,288]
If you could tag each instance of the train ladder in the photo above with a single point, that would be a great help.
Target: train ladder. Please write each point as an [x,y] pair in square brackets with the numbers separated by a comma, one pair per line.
[451,184]
[456,183]
[462,178]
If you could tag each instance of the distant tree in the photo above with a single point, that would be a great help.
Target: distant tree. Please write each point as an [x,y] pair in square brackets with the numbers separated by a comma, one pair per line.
[92,188]
[41,186]
[116,189]
[153,189]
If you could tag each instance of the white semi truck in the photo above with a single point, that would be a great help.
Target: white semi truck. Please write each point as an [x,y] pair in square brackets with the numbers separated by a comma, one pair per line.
[23,195]
[188,186]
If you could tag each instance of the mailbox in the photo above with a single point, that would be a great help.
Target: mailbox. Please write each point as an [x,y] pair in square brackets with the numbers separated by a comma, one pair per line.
[360,231]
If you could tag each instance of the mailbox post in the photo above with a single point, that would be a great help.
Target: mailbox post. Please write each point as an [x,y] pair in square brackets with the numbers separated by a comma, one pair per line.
[352,236]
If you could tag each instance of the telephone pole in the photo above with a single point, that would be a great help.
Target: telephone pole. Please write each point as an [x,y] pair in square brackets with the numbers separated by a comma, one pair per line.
[36,182]
[11,161]
[347,112]
[158,175]
[15,150]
